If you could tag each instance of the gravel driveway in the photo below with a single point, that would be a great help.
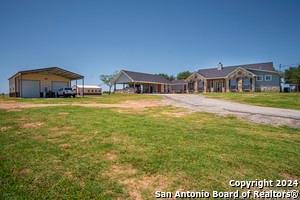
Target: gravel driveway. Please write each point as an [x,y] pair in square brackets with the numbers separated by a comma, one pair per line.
[258,114]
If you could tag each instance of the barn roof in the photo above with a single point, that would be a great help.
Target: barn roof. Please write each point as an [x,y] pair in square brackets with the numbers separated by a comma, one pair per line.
[53,70]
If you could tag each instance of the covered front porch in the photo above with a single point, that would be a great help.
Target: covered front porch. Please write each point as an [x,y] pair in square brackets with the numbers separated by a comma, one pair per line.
[239,80]
[138,87]
[241,84]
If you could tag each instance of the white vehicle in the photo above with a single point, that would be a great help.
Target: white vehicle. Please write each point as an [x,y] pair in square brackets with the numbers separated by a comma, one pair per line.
[66,92]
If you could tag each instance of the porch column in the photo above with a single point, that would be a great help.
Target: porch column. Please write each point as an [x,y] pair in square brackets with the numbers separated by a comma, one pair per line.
[21,92]
[227,85]
[253,83]
[133,87]
[76,87]
[205,86]
[187,87]
[196,86]
[240,85]
[83,87]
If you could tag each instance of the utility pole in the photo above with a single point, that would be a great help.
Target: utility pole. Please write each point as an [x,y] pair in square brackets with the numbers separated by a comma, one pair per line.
[280,67]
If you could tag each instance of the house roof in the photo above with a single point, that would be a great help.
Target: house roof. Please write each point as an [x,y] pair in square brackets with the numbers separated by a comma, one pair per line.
[54,70]
[89,86]
[215,73]
[144,77]
[178,82]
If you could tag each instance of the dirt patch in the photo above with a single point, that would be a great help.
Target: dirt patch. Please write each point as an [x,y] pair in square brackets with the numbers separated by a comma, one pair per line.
[56,134]
[24,171]
[33,125]
[21,105]
[136,185]
[122,170]
[5,128]
[39,138]
[142,104]
[65,146]
[137,105]
[14,110]
[65,128]
[288,176]
[172,113]
[111,156]
[69,175]
[63,113]
[147,184]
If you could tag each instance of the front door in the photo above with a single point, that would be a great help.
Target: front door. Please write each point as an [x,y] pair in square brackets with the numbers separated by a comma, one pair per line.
[159,88]
[218,85]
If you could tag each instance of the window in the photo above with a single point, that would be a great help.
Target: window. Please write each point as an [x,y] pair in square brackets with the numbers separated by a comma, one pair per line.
[268,77]
[246,81]
[88,90]
[232,84]
[260,78]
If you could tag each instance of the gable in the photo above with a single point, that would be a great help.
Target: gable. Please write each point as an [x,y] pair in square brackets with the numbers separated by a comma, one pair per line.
[240,72]
[195,76]
[122,78]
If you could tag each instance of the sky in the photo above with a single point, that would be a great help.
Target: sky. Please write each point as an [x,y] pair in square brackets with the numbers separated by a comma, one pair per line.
[93,37]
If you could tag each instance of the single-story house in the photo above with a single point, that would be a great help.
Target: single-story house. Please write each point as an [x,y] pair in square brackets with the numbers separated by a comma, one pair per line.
[43,82]
[88,89]
[137,82]
[238,78]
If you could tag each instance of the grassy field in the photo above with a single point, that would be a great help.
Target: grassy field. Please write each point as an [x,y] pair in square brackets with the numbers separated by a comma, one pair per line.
[76,152]
[279,100]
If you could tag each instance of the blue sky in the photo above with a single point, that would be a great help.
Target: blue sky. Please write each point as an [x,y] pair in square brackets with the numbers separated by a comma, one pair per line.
[99,37]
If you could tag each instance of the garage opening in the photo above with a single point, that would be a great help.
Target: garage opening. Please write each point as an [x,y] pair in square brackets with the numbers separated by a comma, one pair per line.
[30,88]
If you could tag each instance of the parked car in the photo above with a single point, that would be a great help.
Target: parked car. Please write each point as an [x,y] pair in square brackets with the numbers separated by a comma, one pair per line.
[66,92]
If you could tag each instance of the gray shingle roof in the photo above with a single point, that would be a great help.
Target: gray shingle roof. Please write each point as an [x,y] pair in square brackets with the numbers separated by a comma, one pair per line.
[144,77]
[178,82]
[214,72]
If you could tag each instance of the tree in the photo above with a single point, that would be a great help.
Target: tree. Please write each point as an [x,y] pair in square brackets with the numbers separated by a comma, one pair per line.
[107,79]
[166,76]
[183,75]
[292,75]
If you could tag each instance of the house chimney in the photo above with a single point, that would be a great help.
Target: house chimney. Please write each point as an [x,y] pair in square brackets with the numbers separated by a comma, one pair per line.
[220,66]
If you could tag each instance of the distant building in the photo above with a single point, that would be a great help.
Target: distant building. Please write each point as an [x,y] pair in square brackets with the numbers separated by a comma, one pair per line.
[88,89]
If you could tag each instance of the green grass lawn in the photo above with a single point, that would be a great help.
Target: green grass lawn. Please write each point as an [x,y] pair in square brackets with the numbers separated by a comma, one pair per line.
[279,100]
[105,98]
[76,152]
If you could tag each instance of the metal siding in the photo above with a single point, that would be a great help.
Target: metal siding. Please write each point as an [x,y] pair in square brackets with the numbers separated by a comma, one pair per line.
[56,85]
[30,88]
